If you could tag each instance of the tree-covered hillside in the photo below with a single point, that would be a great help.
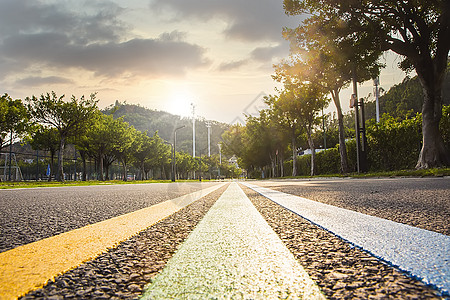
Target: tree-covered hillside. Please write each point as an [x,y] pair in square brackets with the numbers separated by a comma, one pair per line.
[164,123]
[405,99]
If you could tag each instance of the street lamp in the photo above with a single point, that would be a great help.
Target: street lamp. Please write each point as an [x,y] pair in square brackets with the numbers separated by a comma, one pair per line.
[174,164]
[220,157]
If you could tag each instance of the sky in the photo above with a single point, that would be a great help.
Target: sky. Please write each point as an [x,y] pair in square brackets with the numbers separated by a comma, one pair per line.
[216,55]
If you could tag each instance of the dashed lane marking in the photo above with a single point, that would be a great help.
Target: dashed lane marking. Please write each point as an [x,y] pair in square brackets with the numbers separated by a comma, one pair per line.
[233,254]
[30,266]
[422,253]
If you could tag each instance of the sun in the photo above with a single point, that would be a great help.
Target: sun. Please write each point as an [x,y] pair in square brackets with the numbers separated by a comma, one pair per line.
[179,100]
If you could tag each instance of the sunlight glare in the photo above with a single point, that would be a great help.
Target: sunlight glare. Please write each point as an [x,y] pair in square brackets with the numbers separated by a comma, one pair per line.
[179,100]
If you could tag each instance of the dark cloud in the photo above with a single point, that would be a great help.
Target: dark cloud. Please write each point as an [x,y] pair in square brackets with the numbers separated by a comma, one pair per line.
[39,81]
[249,20]
[55,36]
[102,24]
[134,57]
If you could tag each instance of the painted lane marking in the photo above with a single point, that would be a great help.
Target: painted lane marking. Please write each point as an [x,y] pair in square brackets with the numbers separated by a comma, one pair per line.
[422,253]
[30,266]
[233,254]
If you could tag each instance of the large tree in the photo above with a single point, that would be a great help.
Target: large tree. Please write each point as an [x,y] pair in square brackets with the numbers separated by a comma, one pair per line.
[418,31]
[306,100]
[67,117]
[284,108]
[13,119]
[47,139]
[330,62]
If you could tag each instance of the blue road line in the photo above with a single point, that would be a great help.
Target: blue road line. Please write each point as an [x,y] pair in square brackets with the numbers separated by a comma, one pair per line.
[423,254]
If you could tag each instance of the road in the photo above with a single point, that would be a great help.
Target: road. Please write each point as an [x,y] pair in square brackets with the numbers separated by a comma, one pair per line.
[123,271]
[31,214]
[420,202]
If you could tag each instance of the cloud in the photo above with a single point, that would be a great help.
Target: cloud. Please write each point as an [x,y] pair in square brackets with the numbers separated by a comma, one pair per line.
[233,65]
[39,81]
[259,54]
[268,53]
[36,35]
[249,20]
[148,57]
[96,24]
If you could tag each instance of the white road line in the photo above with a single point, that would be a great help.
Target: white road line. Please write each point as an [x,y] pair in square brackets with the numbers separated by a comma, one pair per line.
[233,254]
[422,253]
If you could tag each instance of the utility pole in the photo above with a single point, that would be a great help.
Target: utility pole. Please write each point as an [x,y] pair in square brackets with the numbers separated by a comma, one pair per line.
[208,125]
[193,129]
[376,82]
[220,157]
[324,131]
[360,128]
[10,154]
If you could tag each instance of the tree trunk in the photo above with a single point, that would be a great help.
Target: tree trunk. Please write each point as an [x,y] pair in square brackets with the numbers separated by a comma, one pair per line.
[294,154]
[433,153]
[313,150]
[83,159]
[100,163]
[124,165]
[281,165]
[52,164]
[342,147]
[107,165]
[60,172]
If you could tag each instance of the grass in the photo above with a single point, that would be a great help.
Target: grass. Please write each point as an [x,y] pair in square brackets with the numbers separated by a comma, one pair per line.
[34,184]
[439,172]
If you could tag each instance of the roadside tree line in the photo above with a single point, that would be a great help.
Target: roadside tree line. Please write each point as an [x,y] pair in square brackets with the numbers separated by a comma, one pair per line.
[49,123]
[338,44]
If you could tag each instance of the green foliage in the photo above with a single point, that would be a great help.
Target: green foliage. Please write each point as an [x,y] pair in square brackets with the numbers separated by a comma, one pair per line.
[444,126]
[13,118]
[69,118]
[394,145]
[144,119]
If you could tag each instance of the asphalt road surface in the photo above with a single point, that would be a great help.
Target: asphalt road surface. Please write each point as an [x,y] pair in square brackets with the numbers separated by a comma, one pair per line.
[419,202]
[126,270]
[32,214]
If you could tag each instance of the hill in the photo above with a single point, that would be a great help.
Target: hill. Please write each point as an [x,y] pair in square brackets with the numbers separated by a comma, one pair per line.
[405,98]
[164,123]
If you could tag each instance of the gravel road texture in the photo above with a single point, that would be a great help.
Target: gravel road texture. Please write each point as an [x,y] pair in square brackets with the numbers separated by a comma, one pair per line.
[419,202]
[29,215]
[122,272]
[341,270]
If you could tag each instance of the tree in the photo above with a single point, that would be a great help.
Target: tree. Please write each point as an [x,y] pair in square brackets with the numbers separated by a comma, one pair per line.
[285,109]
[321,55]
[122,150]
[67,117]
[306,99]
[416,30]
[47,139]
[13,119]
[141,149]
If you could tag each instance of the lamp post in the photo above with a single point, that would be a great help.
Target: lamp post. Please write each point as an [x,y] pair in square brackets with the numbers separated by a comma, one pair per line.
[220,157]
[208,125]
[174,164]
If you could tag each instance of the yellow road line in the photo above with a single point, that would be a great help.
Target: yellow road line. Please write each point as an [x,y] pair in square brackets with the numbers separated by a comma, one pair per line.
[31,266]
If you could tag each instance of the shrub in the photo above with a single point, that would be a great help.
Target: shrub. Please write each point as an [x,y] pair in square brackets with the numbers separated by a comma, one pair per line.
[394,145]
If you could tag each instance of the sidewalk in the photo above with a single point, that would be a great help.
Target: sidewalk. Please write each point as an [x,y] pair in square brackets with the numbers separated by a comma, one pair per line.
[233,253]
